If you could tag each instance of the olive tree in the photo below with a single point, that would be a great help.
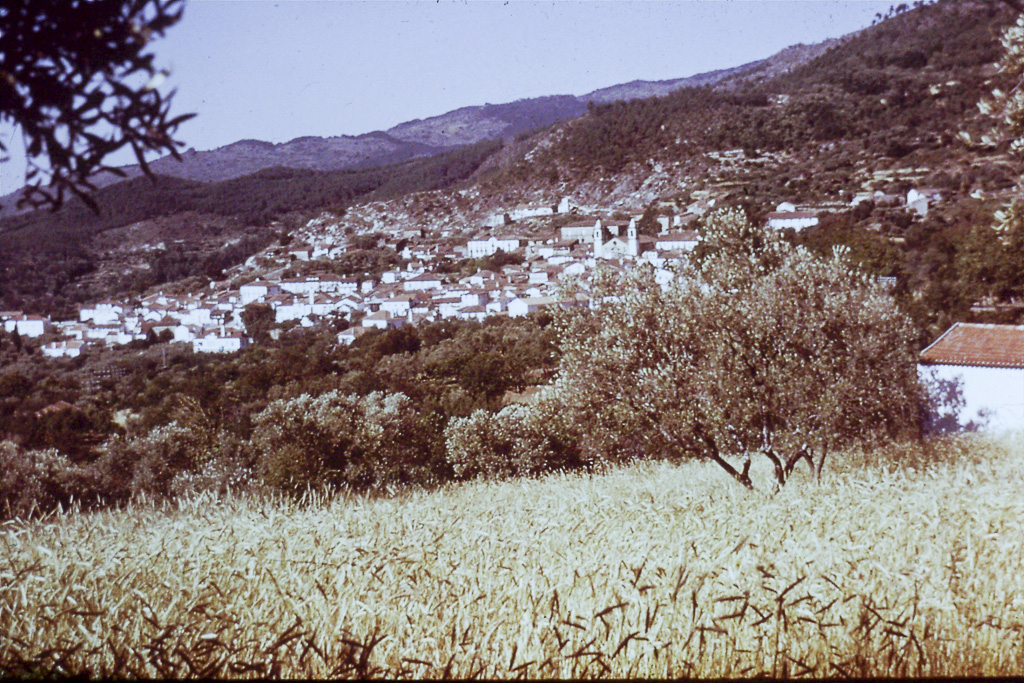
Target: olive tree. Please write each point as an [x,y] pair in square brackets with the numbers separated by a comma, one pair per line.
[757,348]
[76,77]
[991,257]
[339,439]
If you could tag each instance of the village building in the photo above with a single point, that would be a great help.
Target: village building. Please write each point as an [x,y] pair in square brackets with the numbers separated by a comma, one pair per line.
[422,282]
[257,291]
[918,200]
[988,363]
[786,217]
[614,247]
[491,246]
[220,340]
[101,314]
[348,336]
[65,348]
[577,233]
[684,240]
[25,325]
[383,320]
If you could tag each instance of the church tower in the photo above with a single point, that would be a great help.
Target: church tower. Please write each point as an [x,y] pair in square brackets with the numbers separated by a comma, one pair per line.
[631,240]
[598,240]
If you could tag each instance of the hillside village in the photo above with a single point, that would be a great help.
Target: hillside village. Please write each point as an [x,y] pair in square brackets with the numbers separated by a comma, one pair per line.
[545,258]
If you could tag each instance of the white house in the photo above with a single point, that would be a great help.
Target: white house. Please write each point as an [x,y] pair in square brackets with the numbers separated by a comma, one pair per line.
[101,314]
[336,285]
[63,349]
[348,336]
[526,305]
[303,286]
[988,361]
[25,325]
[477,313]
[382,320]
[257,291]
[398,306]
[684,240]
[581,233]
[797,220]
[220,341]
[490,246]
[422,282]
[918,200]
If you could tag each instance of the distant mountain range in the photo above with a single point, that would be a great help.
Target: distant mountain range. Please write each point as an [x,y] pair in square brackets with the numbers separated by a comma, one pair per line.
[425,137]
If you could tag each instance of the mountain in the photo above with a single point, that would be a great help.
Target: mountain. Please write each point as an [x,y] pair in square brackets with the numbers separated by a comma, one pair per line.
[153,231]
[425,137]
[894,95]
[760,70]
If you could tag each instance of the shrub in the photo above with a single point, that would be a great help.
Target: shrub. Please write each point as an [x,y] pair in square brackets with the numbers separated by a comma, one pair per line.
[173,459]
[343,440]
[147,464]
[519,440]
[34,482]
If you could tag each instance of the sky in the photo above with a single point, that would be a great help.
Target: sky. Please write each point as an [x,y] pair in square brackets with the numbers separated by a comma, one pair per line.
[276,70]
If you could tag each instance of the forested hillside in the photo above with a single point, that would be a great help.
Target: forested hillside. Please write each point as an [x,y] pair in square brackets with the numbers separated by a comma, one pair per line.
[43,255]
[908,84]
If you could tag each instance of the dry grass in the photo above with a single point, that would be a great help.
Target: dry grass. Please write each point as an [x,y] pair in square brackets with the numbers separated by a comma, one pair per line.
[650,570]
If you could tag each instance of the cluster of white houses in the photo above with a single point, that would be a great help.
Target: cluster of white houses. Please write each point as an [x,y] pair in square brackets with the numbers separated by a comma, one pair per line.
[213,321]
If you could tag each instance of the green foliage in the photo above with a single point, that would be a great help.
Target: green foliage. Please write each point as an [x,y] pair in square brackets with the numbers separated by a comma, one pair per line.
[519,440]
[34,482]
[648,223]
[342,440]
[990,261]
[871,251]
[258,319]
[193,419]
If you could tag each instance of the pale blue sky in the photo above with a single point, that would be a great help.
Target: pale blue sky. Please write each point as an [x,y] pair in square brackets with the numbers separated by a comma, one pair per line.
[276,70]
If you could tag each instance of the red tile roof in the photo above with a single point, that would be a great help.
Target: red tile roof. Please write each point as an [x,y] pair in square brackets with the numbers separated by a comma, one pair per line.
[994,346]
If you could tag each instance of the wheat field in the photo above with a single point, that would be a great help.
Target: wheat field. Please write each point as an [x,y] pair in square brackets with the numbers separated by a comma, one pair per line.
[650,570]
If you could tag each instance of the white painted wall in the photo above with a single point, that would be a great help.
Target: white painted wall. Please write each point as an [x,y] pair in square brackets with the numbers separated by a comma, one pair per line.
[999,391]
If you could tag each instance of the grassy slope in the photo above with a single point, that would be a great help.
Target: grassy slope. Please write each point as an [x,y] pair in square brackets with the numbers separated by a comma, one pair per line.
[651,570]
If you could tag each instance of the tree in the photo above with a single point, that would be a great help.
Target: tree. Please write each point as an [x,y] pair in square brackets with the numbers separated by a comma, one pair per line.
[762,349]
[75,77]
[989,259]
[1008,108]
[648,224]
[340,439]
[258,319]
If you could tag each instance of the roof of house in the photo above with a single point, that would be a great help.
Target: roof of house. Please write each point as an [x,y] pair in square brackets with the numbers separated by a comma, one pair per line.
[679,236]
[994,346]
[784,215]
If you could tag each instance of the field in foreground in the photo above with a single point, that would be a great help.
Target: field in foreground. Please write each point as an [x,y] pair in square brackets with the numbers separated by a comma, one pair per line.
[650,570]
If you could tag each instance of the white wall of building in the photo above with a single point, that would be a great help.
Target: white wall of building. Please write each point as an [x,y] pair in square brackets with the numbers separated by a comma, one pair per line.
[997,392]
